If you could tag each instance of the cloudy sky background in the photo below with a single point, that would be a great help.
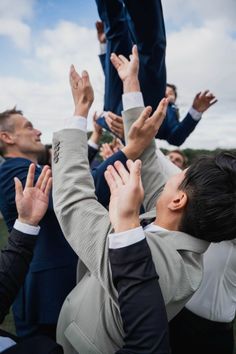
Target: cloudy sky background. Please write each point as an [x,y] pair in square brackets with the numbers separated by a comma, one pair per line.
[39,39]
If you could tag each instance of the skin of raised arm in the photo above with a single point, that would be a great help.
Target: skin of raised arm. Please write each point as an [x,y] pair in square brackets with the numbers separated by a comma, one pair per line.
[32,201]
[140,140]
[84,221]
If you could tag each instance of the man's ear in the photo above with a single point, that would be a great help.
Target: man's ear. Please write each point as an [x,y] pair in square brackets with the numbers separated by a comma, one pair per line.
[7,138]
[179,201]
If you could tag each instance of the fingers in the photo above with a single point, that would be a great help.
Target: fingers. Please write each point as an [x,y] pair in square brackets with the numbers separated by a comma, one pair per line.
[116,61]
[30,176]
[41,177]
[213,102]
[135,171]
[117,178]
[45,180]
[48,187]
[110,181]
[18,188]
[144,116]
[123,59]
[160,113]
[124,174]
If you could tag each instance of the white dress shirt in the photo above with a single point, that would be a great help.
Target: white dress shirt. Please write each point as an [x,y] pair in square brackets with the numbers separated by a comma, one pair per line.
[215,299]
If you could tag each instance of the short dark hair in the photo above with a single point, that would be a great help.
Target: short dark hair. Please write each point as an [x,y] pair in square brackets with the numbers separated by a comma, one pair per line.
[210,183]
[174,88]
[6,126]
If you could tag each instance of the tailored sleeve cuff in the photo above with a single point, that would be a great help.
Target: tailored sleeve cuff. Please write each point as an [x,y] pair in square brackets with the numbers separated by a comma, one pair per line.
[195,114]
[132,100]
[126,238]
[26,229]
[102,48]
[93,145]
[76,122]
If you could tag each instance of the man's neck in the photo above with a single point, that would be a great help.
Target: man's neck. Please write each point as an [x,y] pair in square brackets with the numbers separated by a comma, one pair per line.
[167,224]
[32,157]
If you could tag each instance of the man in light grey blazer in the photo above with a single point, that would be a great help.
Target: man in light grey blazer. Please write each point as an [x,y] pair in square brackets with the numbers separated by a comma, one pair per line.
[90,321]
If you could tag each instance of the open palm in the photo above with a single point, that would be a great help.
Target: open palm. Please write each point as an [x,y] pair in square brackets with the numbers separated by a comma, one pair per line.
[32,201]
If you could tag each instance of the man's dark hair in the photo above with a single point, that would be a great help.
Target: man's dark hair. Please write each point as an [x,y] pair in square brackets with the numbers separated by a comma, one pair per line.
[5,125]
[210,183]
[174,88]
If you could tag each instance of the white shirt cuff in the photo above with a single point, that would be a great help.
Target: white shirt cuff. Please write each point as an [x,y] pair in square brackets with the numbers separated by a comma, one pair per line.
[102,48]
[26,229]
[76,122]
[93,145]
[126,238]
[195,114]
[132,100]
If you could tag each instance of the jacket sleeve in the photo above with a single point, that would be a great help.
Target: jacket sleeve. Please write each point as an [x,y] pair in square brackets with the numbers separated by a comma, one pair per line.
[181,130]
[155,170]
[140,299]
[84,221]
[15,259]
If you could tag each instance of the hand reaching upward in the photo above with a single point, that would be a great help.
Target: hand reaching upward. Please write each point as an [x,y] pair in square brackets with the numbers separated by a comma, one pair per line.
[126,194]
[128,70]
[82,91]
[32,201]
[203,100]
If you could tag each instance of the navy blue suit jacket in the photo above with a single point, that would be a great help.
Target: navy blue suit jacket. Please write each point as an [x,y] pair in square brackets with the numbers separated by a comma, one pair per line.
[52,272]
[140,299]
[171,130]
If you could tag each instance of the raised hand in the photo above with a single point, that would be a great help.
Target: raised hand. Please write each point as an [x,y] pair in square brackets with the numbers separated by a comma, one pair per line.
[202,101]
[144,129]
[115,123]
[128,69]
[82,91]
[126,194]
[100,32]
[32,201]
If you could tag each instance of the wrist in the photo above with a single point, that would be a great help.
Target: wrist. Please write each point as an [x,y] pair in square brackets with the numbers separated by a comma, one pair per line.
[28,221]
[132,153]
[125,224]
[82,109]
[131,84]
[95,137]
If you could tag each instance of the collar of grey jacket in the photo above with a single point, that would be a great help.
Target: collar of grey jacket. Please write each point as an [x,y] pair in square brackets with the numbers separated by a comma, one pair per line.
[178,239]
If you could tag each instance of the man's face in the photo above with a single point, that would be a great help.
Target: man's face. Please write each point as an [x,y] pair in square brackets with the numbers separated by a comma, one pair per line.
[170,191]
[176,158]
[25,137]
[170,94]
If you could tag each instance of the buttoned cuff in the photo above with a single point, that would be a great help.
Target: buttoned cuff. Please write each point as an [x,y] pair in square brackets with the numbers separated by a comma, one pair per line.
[93,145]
[126,238]
[26,229]
[76,122]
[195,114]
[132,100]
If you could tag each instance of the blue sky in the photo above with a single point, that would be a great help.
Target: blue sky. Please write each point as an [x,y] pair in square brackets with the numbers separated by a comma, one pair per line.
[39,39]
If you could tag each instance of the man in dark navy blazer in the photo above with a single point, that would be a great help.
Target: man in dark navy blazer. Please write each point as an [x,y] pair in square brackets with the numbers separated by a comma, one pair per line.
[125,24]
[52,272]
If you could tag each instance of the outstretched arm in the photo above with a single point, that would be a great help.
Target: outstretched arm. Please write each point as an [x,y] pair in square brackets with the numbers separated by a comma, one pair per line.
[152,172]
[180,130]
[15,258]
[141,303]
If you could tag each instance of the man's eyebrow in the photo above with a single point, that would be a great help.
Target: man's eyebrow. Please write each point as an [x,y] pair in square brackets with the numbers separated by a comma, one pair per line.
[28,124]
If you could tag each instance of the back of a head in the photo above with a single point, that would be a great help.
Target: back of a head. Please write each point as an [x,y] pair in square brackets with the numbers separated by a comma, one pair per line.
[210,184]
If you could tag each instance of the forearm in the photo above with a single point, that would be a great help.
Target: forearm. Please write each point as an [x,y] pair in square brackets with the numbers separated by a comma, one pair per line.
[85,223]
[140,299]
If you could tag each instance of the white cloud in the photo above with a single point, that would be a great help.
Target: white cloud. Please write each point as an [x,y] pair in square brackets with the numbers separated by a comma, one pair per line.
[12,21]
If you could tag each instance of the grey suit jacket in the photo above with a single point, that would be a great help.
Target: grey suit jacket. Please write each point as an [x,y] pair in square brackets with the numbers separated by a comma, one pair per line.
[90,321]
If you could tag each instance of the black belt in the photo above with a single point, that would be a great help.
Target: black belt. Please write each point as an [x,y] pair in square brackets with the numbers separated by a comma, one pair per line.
[203,323]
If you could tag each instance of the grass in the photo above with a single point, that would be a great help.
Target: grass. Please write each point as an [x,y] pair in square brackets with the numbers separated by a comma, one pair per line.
[8,324]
